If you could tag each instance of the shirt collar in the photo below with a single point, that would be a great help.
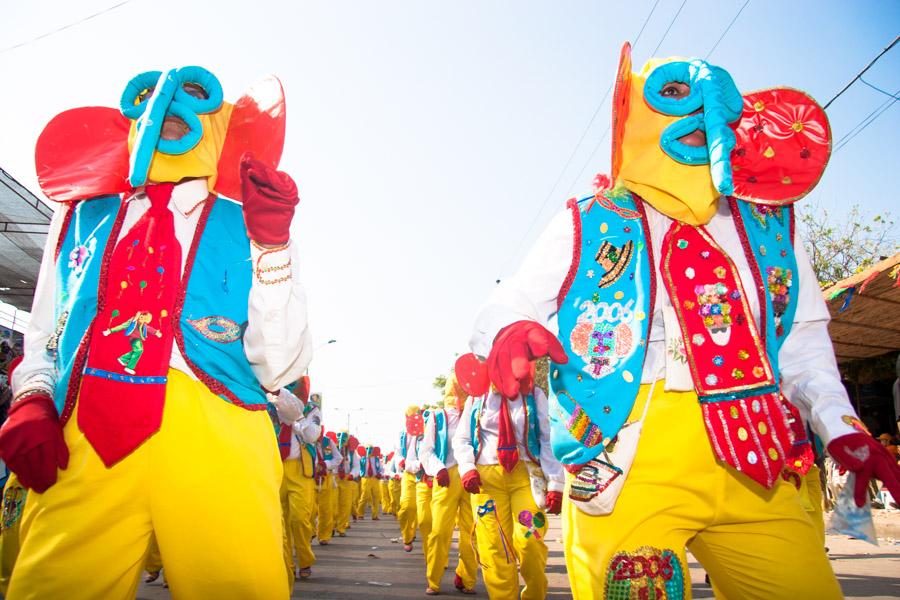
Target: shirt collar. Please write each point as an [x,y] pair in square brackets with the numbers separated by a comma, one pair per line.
[185,197]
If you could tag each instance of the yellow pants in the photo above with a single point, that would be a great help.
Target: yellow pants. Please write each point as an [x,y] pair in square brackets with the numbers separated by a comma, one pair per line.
[406,515]
[385,496]
[14,496]
[346,490]
[206,484]
[394,488]
[370,495]
[504,543]
[813,500]
[298,496]
[325,501]
[154,563]
[450,506]
[754,543]
[423,513]
[357,493]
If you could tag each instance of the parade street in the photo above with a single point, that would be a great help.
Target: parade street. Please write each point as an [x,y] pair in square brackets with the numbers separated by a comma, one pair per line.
[367,564]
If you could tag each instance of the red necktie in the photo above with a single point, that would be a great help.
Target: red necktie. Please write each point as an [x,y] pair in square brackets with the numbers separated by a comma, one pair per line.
[124,385]
[284,440]
[507,447]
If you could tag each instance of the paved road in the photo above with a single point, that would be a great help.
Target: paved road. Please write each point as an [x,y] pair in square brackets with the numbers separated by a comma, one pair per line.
[366,564]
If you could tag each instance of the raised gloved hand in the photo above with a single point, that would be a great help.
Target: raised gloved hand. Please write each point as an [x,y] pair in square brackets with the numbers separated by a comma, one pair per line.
[867,458]
[269,199]
[509,363]
[288,406]
[471,482]
[554,503]
[32,442]
[442,478]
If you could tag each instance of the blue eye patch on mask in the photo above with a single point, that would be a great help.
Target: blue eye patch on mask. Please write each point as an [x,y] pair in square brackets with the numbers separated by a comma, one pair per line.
[165,95]
[714,94]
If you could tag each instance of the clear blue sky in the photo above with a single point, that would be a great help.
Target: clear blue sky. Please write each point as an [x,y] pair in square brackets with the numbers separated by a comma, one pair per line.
[426,136]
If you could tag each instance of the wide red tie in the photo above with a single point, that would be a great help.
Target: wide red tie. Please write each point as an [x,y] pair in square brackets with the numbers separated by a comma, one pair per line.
[284,440]
[507,447]
[124,385]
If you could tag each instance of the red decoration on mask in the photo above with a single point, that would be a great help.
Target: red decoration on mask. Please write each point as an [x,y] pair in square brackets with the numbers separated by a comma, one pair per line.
[415,424]
[472,375]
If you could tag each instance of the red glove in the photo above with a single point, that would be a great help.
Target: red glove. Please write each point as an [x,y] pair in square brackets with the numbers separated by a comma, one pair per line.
[32,443]
[471,482]
[403,464]
[868,459]
[443,478]
[270,197]
[554,503]
[509,363]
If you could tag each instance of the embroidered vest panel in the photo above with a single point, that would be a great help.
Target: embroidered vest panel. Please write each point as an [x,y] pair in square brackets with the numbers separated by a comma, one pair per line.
[603,321]
[532,428]
[214,314]
[81,252]
[440,435]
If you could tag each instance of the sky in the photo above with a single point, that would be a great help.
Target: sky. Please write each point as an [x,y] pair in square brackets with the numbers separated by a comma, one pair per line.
[430,140]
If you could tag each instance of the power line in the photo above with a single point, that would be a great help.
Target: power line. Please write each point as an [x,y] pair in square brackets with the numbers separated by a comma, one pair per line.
[672,22]
[860,74]
[727,29]
[568,162]
[64,27]
[868,120]
[878,89]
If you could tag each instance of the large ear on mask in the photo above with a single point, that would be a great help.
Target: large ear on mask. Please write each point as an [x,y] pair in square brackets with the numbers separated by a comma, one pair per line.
[83,153]
[257,125]
[472,375]
[783,145]
[620,108]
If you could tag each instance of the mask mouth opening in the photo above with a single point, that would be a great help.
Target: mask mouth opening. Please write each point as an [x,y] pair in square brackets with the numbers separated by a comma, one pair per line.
[174,128]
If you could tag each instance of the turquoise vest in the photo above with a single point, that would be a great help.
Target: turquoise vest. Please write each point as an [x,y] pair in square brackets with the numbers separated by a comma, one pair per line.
[211,319]
[532,428]
[606,304]
[441,444]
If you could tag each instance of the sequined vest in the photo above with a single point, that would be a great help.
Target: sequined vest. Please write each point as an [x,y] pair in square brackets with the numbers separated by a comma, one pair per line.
[606,303]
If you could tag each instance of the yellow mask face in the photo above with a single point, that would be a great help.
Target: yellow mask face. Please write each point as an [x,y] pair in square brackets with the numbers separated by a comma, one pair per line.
[200,161]
[454,394]
[683,192]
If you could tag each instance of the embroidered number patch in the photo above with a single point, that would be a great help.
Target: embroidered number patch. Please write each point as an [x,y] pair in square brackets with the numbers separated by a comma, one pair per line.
[647,573]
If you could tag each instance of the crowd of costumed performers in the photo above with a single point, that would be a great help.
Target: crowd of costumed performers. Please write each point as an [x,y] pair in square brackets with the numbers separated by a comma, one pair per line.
[658,371]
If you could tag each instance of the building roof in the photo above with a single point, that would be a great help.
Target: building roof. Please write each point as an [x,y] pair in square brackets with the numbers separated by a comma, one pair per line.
[865,312]
[24,221]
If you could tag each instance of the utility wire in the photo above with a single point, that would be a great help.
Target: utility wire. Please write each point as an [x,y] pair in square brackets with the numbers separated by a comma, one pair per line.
[64,27]
[568,162]
[666,34]
[727,29]
[868,120]
[860,74]
[878,89]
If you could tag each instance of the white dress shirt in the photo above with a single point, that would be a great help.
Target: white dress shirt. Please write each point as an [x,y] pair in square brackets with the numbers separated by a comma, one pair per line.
[490,436]
[810,377]
[412,457]
[277,339]
[430,461]
[351,464]
[305,430]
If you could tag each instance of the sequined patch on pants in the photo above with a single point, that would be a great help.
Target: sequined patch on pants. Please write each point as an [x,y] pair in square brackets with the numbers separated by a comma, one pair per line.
[646,574]
[13,501]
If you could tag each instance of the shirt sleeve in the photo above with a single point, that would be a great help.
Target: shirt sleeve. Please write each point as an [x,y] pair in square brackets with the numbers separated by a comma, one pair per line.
[553,470]
[37,371]
[309,427]
[277,341]
[462,440]
[809,373]
[530,294]
[430,462]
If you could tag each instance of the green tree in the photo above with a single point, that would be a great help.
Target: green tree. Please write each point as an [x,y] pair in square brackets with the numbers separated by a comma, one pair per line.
[439,382]
[841,247]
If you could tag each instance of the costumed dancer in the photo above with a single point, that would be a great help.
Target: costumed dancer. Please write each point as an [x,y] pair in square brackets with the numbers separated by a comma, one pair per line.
[357,481]
[298,486]
[409,437]
[506,463]
[424,487]
[450,504]
[677,306]
[164,227]
[329,461]
[346,486]
[395,482]
[369,476]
